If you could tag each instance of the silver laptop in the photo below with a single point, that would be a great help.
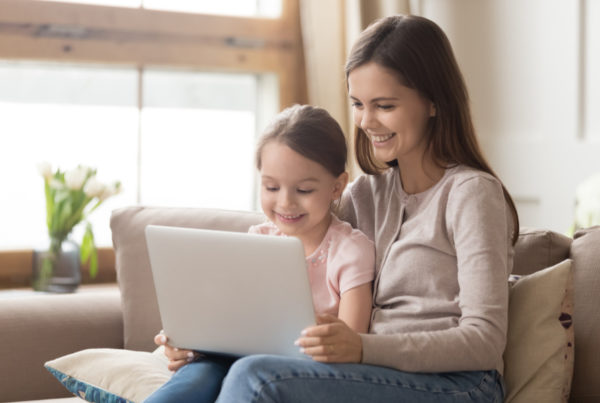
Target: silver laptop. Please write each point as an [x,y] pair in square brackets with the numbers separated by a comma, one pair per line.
[229,292]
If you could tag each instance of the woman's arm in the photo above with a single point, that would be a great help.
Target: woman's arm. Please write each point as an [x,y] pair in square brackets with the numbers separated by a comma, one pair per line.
[355,307]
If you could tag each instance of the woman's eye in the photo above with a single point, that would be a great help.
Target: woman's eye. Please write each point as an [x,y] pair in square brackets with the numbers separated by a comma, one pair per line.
[271,188]
[305,191]
[356,104]
[385,107]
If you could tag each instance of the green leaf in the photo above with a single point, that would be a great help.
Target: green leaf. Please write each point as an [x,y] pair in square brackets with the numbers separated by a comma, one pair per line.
[88,250]
[86,246]
[94,263]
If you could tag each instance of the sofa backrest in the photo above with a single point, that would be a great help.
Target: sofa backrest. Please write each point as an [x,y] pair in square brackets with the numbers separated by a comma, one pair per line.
[585,253]
[535,250]
[141,319]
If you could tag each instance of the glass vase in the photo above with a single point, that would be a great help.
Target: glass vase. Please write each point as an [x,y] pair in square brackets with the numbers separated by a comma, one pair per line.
[56,268]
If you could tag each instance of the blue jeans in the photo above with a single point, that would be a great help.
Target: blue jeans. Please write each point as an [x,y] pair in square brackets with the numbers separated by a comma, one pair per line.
[198,381]
[265,378]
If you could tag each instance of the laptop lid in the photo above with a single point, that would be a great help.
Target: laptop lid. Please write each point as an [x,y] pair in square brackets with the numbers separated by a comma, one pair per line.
[229,292]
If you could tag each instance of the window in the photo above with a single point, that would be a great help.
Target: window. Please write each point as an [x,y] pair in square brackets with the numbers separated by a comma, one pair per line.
[168,103]
[189,143]
[262,8]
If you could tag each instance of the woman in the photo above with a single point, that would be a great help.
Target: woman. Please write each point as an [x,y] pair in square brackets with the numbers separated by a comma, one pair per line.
[443,227]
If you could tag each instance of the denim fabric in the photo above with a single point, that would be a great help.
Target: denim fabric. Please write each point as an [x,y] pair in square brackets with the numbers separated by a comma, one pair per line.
[261,379]
[198,381]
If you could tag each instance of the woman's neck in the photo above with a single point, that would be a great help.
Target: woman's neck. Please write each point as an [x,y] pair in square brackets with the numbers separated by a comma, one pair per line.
[418,176]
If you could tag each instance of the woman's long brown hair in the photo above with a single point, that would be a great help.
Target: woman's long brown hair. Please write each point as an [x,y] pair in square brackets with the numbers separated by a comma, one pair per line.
[419,52]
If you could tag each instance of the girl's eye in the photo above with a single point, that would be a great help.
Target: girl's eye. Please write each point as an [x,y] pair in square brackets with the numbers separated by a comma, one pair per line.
[271,188]
[356,104]
[386,107]
[305,191]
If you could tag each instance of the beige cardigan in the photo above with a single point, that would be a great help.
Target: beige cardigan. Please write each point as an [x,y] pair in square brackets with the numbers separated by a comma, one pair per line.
[443,256]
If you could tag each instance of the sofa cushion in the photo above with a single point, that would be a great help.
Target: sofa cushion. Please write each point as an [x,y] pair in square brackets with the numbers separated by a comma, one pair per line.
[537,249]
[35,329]
[141,319]
[586,261]
[539,352]
[105,375]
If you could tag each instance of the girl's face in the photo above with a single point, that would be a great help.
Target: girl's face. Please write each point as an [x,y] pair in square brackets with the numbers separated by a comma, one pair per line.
[393,116]
[296,192]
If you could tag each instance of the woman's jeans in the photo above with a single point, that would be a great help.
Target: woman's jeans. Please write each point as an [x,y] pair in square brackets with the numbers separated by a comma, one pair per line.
[266,378]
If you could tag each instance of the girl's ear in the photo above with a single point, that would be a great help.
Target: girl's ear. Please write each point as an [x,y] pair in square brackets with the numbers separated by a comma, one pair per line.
[339,186]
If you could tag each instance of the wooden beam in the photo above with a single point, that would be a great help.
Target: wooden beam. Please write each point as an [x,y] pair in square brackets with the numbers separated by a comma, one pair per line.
[16,268]
[140,24]
[67,32]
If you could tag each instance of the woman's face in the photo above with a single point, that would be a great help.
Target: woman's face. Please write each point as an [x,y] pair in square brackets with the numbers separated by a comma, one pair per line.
[393,116]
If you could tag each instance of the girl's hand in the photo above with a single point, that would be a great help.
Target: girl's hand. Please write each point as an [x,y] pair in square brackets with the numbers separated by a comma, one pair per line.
[331,340]
[177,358]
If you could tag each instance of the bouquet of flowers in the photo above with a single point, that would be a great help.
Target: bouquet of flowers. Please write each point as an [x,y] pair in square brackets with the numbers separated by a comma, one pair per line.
[71,196]
[587,204]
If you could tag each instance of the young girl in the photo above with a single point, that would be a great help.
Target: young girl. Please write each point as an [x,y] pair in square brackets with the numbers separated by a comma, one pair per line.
[301,158]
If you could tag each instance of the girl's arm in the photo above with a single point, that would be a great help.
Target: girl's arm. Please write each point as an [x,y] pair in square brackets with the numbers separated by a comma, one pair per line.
[355,307]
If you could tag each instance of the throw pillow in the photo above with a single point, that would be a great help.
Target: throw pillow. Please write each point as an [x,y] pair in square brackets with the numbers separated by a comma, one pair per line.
[539,353]
[111,375]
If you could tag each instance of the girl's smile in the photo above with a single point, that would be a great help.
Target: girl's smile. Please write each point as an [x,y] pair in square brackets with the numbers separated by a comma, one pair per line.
[290,218]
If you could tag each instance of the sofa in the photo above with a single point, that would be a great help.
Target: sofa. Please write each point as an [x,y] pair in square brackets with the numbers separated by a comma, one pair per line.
[38,329]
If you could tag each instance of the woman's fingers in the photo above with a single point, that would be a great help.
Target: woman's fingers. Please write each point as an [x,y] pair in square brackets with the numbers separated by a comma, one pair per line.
[331,340]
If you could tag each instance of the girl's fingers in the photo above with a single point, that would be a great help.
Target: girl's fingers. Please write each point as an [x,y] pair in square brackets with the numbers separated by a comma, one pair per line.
[175,365]
[173,353]
[160,339]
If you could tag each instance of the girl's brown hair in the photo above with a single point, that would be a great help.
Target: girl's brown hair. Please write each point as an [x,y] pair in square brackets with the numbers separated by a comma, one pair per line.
[419,52]
[311,132]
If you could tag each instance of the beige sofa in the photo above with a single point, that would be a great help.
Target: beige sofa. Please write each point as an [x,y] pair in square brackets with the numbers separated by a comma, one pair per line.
[35,330]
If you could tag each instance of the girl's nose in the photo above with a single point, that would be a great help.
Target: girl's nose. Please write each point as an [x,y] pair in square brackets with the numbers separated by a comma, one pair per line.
[286,198]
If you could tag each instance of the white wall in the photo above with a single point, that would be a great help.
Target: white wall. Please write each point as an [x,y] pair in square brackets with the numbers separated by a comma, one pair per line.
[532,68]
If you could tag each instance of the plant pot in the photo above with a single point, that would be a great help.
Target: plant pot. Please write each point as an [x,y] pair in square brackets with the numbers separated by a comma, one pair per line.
[62,273]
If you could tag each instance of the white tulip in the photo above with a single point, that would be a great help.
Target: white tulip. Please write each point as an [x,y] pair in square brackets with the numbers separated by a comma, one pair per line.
[110,190]
[93,187]
[74,178]
[56,184]
[45,169]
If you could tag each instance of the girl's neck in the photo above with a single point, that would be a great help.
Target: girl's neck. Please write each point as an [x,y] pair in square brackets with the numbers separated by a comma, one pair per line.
[313,239]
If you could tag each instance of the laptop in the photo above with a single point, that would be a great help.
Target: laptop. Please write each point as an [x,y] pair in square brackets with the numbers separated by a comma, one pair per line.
[229,292]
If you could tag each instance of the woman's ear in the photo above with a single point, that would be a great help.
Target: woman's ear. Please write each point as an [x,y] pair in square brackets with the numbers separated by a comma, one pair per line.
[432,110]
[339,186]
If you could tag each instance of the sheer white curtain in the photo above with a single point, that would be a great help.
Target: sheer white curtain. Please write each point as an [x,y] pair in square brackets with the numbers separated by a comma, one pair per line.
[329,28]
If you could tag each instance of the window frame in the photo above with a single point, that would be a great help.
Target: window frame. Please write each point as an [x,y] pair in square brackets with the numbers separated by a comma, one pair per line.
[83,33]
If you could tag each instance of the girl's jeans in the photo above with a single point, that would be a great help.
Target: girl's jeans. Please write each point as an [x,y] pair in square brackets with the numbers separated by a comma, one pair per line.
[265,378]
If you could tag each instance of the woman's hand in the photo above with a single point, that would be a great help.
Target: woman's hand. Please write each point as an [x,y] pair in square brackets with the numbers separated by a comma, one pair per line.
[331,340]
[177,358]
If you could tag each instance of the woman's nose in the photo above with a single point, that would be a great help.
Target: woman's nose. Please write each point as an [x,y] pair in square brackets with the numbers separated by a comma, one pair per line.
[367,119]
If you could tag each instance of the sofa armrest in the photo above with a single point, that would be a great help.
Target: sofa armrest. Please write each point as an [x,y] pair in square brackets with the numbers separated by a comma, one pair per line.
[39,328]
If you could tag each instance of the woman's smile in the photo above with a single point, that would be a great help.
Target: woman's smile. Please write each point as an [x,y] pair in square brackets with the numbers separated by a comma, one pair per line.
[381,140]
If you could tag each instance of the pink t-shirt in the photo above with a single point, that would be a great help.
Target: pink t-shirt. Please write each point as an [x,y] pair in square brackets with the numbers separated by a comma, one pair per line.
[345,259]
